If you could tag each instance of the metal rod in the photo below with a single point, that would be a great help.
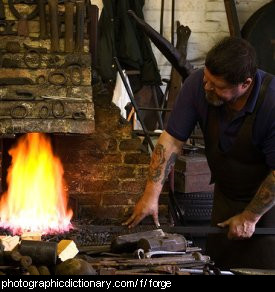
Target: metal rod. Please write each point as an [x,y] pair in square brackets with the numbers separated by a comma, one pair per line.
[69,26]
[232,18]
[53,8]
[161,17]
[79,35]
[132,98]
[173,23]
[155,99]
[42,19]
[174,229]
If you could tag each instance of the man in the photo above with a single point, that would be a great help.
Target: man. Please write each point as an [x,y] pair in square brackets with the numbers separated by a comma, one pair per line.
[234,103]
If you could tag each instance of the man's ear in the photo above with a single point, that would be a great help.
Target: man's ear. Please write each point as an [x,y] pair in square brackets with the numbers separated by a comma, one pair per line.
[247,83]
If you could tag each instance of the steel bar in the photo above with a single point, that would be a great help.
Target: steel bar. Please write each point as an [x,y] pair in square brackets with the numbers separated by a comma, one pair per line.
[172,229]
[161,17]
[69,26]
[53,7]
[173,23]
[79,36]
[232,18]
[42,19]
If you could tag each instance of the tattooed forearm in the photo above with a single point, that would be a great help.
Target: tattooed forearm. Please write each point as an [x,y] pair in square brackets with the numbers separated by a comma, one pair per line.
[156,164]
[170,163]
[265,197]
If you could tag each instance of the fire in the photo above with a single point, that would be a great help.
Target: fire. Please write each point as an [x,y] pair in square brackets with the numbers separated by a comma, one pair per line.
[36,199]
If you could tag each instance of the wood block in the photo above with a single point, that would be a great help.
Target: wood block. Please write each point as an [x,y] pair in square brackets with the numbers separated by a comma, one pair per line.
[9,242]
[31,236]
[66,249]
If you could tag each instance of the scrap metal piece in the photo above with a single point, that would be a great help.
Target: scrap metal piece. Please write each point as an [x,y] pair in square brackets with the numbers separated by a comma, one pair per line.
[169,242]
[141,254]
[129,241]
[244,271]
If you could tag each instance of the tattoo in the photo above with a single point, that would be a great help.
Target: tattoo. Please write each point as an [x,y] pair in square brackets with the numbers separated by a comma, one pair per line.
[156,164]
[170,163]
[265,197]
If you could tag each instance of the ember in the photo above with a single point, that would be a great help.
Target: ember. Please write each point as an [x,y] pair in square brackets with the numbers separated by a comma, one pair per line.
[36,199]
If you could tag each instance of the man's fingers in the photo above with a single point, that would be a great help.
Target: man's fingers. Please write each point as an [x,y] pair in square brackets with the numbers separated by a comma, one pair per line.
[223,224]
[130,220]
[156,219]
[135,222]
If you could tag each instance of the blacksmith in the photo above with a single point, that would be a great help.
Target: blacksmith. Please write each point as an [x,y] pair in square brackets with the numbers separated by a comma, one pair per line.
[234,103]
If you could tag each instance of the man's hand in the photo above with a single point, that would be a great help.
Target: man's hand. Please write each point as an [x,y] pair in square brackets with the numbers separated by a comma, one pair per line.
[144,207]
[241,226]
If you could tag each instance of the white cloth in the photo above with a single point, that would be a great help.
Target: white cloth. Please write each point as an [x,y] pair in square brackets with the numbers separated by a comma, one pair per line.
[120,96]
[121,99]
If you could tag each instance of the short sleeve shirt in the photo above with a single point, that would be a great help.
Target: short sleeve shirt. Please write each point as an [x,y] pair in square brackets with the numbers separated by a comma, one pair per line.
[191,108]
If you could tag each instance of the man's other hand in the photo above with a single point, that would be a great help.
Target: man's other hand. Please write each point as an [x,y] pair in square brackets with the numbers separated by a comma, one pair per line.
[241,226]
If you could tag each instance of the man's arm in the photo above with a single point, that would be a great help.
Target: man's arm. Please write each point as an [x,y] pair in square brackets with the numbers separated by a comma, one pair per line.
[243,225]
[163,159]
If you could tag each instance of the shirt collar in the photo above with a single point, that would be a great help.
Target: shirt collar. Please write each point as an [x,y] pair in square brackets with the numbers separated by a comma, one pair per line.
[251,102]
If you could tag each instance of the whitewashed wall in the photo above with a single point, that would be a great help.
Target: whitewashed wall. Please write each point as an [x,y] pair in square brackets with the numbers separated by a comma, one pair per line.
[206,19]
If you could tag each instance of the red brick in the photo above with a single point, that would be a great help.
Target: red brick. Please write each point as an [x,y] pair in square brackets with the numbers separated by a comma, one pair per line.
[130,144]
[119,199]
[137,158]
[133,186]
[100,185]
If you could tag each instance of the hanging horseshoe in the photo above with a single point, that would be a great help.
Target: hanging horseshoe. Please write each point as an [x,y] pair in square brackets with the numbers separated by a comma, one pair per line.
[58,109]
[76,75]
[44,112]
[19,112]
[31,54]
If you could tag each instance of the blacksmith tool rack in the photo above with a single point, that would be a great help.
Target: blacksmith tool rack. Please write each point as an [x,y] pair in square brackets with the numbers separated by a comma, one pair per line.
[45,48]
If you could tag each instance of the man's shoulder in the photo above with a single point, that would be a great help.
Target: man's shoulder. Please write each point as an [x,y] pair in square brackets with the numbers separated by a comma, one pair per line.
[196,75]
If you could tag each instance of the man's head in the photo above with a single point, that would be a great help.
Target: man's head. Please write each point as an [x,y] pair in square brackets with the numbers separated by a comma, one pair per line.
[230,67]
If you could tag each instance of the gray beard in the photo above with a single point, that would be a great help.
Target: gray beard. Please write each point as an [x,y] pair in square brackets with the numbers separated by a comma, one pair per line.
[213,99]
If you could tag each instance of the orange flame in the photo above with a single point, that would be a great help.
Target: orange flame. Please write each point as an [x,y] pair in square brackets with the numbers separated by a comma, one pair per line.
[36,199]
